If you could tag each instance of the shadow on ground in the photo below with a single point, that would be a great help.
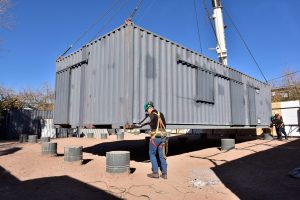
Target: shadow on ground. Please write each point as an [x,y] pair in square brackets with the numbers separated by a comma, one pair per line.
[60,187]
[263,175]
[12,150]
[139,148]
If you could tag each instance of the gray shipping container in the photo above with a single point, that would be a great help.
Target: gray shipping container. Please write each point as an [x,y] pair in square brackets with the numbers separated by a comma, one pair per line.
[108,80]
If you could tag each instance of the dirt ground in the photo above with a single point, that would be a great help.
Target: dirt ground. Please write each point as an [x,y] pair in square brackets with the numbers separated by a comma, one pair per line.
[197,169]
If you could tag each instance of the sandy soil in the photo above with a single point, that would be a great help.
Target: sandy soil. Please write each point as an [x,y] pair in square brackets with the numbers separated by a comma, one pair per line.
[197,169]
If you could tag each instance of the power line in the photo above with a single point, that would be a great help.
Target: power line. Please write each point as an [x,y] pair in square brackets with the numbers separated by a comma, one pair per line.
[284,76]
[247,47]
[114,3]
[109,20]
[196,15]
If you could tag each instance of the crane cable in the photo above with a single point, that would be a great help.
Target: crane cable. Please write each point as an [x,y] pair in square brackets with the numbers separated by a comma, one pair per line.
[149,6]
[135,10]
[247,47]
[280,77]
[114,3]
[109,20]
[196,15]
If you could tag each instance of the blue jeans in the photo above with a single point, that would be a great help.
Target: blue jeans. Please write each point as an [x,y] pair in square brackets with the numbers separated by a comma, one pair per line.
[153,148]
[283,131]
[280,130]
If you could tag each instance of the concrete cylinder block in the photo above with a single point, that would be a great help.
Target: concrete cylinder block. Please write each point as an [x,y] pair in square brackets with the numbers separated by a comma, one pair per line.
[32,138]
[90,135]
[45,139]
[227,144]
[49,148]
[120,136]
[23,138]
[103,135]
[73,154]
[268,136]
[118,162]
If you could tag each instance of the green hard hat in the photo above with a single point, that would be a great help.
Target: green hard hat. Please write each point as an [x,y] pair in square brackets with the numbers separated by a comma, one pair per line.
[148,105]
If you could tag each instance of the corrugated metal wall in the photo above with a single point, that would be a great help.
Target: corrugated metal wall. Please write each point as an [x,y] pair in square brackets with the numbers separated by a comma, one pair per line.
[130,66]
[62,90]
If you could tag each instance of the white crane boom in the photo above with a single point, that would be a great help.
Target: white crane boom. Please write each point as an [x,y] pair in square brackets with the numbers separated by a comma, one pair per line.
[220,33]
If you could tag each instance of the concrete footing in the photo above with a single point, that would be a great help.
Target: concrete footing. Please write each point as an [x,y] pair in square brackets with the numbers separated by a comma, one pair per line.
[49,148]
[32,138]
[227,144]
[73,154]
[118,162]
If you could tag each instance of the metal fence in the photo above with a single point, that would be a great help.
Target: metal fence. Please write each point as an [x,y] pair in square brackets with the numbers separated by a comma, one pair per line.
[36,122]
[16,122]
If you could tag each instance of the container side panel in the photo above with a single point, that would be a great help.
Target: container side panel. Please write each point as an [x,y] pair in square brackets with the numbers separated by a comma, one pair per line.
[263,104]
[62,97]
[173,86]
[238,105]
[105,85]
[75,96]
[251,105]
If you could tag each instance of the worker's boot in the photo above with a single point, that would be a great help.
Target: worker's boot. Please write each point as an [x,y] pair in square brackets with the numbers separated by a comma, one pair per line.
[164,176]
[153,175]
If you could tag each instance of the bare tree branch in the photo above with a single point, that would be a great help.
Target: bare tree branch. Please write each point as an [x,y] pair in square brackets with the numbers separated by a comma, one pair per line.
[6,18]
[41,99]
[287,88]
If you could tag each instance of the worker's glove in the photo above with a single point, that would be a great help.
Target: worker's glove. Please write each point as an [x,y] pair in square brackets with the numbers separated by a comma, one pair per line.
[127,126]
[130,126]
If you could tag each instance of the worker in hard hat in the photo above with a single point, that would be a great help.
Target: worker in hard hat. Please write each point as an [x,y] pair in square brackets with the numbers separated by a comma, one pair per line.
[279,126]
[158,141]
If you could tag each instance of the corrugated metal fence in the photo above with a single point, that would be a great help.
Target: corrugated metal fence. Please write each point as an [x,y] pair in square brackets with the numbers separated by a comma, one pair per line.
[16,122]
[36,122]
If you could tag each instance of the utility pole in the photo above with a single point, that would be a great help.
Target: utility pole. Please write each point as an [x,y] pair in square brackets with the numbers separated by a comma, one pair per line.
[220,33]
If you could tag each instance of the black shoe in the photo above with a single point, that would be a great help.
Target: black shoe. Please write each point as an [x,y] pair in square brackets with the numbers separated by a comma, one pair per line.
[280,139]
[164,176]
[153,175]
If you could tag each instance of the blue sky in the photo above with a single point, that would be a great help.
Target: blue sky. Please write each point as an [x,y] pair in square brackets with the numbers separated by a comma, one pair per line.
[44,29]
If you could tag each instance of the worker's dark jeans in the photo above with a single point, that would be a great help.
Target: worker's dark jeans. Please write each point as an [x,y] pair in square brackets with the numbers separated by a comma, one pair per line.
[280,130]
[283,131]
[154,146]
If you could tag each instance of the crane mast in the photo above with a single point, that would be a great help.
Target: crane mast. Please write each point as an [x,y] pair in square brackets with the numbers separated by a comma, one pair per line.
[220,33]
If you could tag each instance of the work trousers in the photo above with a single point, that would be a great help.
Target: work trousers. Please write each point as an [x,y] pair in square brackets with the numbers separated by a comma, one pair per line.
[280,130]
[155,145]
